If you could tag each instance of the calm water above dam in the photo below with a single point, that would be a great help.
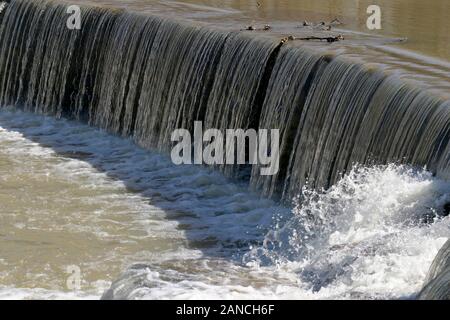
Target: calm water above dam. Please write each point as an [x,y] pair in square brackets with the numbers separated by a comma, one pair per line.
[424,23]
[423,57]
[358,209]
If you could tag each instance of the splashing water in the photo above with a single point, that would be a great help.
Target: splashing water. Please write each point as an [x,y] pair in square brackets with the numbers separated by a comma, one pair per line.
[374,234]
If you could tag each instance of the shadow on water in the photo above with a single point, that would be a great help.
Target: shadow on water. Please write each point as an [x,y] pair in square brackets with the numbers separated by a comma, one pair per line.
[220,220]
[219,217]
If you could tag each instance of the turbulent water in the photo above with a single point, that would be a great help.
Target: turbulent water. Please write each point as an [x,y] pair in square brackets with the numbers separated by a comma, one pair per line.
[75,196]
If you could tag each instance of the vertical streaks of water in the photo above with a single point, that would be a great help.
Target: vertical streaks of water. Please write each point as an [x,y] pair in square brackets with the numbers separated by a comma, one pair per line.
[180,64]
[292,77]
[145,76]
[238,77]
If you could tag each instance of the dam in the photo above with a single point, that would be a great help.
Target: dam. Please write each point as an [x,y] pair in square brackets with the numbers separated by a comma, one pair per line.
[358,203]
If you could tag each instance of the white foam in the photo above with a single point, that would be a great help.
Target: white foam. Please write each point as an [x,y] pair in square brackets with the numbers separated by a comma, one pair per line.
[43,294]
[364,238]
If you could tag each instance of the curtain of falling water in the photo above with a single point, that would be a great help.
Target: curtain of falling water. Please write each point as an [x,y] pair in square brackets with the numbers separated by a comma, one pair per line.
[176,82]
[232,102]
[335,114]
[283,107]
[331,118]
[144,76]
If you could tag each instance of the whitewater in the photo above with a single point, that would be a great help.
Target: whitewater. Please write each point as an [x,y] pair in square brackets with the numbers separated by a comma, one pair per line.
[75,195]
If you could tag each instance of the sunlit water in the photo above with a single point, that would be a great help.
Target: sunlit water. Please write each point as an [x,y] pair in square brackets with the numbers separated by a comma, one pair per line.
[72,195]
[424,23]
[413,41]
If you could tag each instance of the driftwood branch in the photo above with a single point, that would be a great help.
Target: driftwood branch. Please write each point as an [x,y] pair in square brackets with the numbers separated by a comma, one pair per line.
[327,39]
[321,25]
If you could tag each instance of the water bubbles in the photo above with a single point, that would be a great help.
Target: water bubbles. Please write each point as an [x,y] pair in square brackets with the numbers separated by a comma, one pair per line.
[371,228]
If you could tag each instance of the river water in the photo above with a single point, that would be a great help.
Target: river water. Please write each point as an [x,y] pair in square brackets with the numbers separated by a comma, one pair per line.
[424,23]
[72,196]
[412,40]
[75,196]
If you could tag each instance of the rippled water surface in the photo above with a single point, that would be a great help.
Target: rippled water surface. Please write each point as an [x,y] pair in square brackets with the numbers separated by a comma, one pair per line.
[424,23]
[413,40]
[73,195]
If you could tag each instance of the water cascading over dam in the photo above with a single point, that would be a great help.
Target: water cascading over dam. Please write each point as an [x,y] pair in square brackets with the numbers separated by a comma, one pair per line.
[144,76]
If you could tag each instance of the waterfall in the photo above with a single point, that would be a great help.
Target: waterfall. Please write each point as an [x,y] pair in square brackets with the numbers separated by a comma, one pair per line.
[335,114]
[144,76]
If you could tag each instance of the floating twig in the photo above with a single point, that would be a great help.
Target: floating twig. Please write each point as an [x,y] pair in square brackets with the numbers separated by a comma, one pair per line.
[253,28]
[336,22]
[328,39]
[322,25]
